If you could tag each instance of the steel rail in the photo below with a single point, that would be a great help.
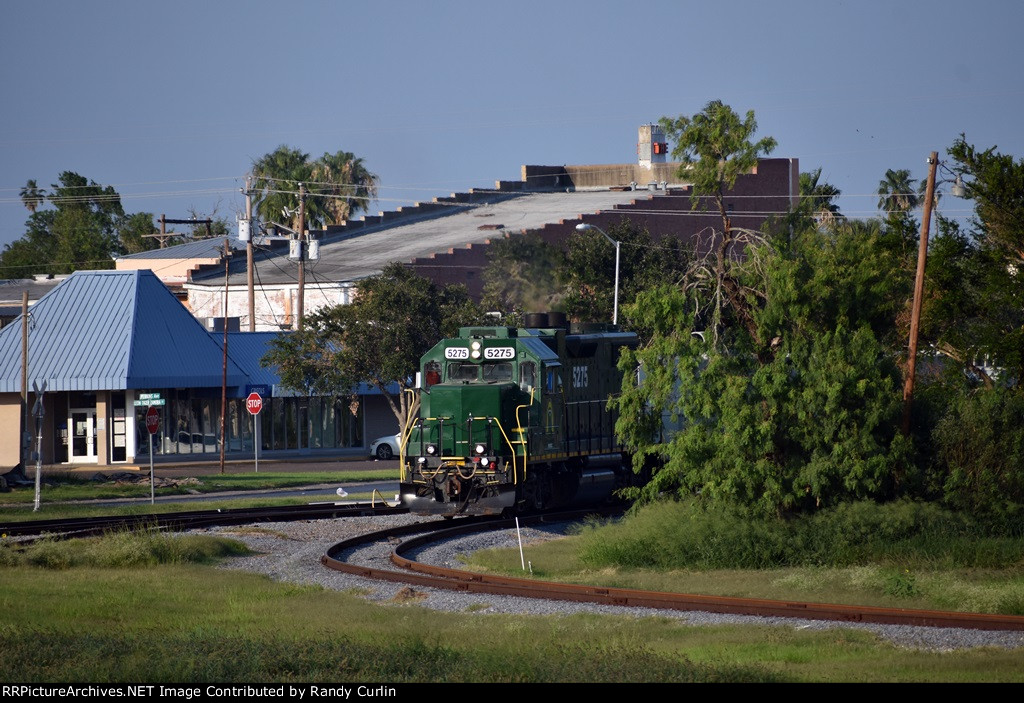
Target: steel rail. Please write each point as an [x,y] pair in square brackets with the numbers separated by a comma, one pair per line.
[455,579]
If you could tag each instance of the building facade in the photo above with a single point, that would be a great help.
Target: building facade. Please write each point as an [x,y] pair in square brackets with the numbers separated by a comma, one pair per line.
[105,345]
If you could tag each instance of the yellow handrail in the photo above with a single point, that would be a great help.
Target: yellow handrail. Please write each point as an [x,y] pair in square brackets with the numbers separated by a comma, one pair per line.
[511,445]
[515,474]
[519,431]
[406,433]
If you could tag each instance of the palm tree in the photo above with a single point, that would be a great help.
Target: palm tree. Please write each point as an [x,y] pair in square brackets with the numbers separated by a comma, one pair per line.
[32,196]
[276,178]
[896,194]
[345,179]
[338,185]
[818,197]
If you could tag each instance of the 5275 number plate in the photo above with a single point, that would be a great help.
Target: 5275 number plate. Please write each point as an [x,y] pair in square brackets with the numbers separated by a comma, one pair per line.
[500,353]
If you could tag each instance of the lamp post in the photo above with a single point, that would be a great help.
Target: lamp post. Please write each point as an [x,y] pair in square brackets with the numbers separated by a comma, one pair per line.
[584,227]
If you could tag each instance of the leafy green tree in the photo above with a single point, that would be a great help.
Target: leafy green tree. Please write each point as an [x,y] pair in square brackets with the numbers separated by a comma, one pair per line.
[589,269]
[715,146]
[338,185]
[395,318]
[995,182]
[810,425]
[131,231]
[523,275]
[80,231]
[33,251]
[973,316]
[973,311]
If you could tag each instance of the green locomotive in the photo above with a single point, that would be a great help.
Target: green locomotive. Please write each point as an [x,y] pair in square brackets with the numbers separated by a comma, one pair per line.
[516,418]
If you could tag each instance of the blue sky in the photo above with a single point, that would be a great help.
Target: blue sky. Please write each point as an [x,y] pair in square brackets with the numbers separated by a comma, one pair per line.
[171,102]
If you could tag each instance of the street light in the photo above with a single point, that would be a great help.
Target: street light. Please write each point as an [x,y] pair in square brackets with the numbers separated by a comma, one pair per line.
[584,227]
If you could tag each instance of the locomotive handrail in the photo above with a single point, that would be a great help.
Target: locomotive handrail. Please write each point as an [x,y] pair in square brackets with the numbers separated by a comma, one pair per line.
[522,440]
[405,435]
[515,473]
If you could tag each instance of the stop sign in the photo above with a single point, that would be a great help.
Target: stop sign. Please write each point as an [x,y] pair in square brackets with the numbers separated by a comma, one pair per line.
[254,403]
[152,420]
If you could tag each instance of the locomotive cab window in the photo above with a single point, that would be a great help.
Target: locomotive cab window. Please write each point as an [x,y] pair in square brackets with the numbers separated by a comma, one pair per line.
[501,371]
[433,374]
[527,375]
[463,371]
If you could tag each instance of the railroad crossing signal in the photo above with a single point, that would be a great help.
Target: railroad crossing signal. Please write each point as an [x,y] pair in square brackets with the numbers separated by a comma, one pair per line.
[37,409]
[254,403]
[152,420]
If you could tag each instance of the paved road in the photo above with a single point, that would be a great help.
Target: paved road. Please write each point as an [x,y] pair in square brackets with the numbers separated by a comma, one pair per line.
[386,490]
[321,492]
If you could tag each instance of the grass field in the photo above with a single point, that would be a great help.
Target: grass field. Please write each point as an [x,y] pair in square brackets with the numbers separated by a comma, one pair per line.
[139,608]
[188,622]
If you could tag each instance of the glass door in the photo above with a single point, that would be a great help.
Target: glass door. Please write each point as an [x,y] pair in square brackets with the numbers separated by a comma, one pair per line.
[83,435]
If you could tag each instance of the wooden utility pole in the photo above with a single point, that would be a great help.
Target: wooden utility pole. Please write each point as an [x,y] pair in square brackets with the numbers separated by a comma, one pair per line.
[248,255]
[163,235]
[915,317]
[224,380]
[24,381]
[302,254]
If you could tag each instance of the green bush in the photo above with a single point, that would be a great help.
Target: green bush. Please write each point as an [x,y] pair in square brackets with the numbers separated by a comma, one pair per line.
[121,549]
[980,453]
[681,535]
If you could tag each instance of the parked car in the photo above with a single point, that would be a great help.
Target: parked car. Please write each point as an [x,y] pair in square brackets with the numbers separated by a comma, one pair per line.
[384,448]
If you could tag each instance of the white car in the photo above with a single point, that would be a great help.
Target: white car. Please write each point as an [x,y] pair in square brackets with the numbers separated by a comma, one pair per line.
[384,448]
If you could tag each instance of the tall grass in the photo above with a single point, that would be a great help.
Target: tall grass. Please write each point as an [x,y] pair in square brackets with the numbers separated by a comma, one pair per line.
[121,549]
[227,657]
[673,535]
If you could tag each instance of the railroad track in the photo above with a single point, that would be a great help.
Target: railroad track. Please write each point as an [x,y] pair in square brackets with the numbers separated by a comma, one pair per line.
[192,519]
[409,571]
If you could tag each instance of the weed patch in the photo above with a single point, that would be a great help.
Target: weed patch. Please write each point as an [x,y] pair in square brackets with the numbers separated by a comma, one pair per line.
[121,549]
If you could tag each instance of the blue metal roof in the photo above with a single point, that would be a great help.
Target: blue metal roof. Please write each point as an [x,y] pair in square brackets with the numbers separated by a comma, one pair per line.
[247,349]
[113,330]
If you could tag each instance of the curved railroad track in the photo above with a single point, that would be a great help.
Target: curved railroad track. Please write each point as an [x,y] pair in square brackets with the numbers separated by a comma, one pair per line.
[409,571]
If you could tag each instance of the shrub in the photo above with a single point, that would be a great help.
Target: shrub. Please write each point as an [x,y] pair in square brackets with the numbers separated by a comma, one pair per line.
[980,453]
[679,535]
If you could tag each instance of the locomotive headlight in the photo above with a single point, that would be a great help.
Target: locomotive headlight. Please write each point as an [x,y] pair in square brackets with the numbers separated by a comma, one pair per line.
[476,346]
[480,449]
[431,449]
[484,461]
[475,353]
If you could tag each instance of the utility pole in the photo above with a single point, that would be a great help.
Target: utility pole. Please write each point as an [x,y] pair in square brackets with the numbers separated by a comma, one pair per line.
[163,235]
[24,438]
[915,317]
[302,254]
[248,255]
[224,380]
